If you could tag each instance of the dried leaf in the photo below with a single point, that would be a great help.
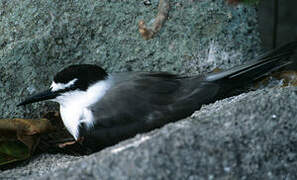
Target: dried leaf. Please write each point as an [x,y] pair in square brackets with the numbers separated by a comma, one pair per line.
[12,151]
[19,138]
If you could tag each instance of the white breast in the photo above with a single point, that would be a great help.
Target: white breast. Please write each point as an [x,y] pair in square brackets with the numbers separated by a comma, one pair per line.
[74,106]
[72,117]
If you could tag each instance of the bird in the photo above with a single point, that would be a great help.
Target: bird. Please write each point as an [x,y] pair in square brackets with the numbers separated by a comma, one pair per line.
[105,108]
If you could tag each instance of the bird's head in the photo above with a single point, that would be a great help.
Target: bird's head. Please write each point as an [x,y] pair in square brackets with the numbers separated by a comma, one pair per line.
[75,78]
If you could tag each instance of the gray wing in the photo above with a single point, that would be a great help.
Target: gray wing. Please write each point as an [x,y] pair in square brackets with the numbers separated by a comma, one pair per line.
[151,99]
[144,102]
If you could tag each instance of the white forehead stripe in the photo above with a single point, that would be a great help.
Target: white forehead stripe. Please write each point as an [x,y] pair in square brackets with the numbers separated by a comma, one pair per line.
[59,86]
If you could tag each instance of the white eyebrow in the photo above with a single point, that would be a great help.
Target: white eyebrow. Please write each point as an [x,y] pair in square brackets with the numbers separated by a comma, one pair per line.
[59,86]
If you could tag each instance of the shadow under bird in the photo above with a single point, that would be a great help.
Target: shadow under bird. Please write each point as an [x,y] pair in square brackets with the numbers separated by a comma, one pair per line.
[104,109]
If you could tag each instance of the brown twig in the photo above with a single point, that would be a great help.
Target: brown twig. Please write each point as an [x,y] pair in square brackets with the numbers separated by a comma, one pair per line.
[149,32]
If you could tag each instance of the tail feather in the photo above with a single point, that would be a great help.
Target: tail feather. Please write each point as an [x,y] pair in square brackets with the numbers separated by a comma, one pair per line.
[261,66]
[272,62]
[288,47]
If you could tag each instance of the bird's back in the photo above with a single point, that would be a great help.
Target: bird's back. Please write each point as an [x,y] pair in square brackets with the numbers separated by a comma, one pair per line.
[144,96]
[139,102]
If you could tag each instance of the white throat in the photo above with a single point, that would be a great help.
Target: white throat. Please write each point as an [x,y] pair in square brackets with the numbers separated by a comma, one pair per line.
[74,105]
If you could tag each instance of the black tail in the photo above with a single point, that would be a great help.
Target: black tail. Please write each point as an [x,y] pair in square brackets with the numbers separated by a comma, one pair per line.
[261,66]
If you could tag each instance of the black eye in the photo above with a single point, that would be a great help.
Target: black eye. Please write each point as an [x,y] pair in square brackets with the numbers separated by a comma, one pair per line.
[70,88]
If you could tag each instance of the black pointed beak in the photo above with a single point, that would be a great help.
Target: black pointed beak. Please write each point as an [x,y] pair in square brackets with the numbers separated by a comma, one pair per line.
[42,96]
